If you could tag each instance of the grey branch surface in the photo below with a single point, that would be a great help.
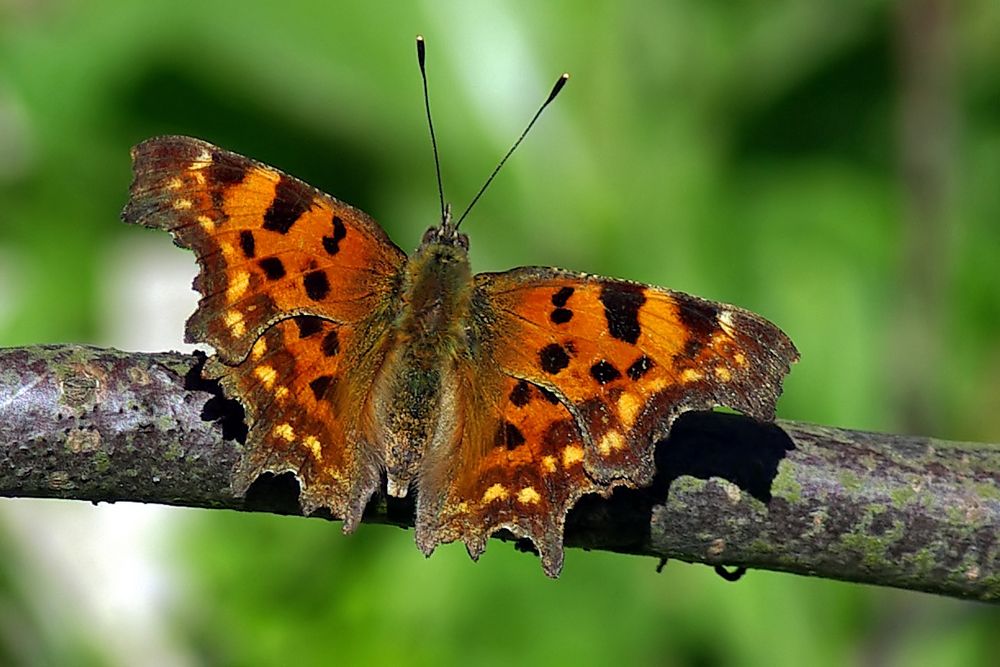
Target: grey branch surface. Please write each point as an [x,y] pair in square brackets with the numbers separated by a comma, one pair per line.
[912,512]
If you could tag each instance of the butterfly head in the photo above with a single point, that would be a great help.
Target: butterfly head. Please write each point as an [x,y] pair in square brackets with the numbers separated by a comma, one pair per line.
[445,234]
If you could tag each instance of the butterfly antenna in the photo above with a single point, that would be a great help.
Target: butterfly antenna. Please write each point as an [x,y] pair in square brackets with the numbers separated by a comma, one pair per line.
[555,91]
[421,57]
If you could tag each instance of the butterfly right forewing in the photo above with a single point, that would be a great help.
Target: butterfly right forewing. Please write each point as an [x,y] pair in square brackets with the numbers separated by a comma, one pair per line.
[269,246]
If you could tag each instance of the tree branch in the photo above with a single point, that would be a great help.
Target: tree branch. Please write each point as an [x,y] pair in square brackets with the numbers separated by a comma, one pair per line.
[911,512]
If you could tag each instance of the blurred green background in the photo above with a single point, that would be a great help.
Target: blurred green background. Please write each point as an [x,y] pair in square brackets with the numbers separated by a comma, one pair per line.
[833,166]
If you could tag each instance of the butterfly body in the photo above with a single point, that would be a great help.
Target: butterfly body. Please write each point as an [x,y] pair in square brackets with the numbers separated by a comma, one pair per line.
[499,398]
[415,394]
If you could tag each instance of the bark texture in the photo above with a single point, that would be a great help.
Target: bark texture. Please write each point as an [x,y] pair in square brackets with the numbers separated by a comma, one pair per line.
[912,512]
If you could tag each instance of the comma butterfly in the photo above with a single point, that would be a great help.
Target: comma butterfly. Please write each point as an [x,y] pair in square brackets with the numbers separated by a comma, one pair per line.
[499,398]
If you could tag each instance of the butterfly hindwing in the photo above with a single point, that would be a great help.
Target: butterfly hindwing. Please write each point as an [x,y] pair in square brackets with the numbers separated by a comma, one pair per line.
[269,246]
[296,385]
[525,478]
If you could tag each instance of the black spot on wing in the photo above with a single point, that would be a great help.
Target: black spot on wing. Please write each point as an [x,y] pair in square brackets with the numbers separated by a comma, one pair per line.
[509,436]
[553,358]
[332,243]
[640,367]
[622,302]
[308,326]
[273,268]
[520,395]
[317,285]
[604,372]
[320,385]
[560,298]
[224,171]
[291,200]
[247,244]
[331,343]
[561,315]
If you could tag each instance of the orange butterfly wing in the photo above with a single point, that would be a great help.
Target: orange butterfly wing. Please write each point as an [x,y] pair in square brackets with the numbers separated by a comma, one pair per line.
[304,386]
[269,246]
[274,252]
[525,481]
[628,358]
[596,370]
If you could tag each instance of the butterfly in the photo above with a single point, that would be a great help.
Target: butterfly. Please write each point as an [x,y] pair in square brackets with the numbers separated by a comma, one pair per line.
[500,399]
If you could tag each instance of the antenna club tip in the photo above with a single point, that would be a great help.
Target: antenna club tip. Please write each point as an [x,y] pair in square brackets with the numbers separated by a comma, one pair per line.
[560,82]
[420,38]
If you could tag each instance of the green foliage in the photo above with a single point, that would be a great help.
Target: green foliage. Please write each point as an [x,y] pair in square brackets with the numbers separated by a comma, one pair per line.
[747,152]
